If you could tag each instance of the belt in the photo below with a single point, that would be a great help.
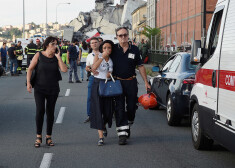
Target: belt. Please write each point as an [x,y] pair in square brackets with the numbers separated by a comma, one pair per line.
[131,78]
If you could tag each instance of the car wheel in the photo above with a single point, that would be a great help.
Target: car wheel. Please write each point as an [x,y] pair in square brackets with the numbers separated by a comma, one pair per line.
[171,115]
[200,141]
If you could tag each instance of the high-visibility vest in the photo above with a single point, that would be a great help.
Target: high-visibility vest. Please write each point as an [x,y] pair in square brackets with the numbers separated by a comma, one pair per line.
[84,54]
[64,49]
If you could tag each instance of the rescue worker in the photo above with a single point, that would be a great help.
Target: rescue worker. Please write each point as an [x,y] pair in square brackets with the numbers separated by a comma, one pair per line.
[19,56]
[39,46]
[30,50]
[64,49]
[125,59]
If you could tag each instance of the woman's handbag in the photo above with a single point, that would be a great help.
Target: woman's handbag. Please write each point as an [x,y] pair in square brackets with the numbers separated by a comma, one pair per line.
[110,88]
[34,73]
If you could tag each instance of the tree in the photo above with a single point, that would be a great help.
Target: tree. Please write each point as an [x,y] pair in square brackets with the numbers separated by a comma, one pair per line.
[155,33]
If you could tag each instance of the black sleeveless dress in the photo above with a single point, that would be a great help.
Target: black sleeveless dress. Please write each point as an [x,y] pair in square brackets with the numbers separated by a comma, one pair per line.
[47,75]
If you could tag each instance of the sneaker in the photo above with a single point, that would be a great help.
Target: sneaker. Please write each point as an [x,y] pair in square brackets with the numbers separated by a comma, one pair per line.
[122,140]
[70,81]
[105,133]
[101,142]
[78,81]
[87,120]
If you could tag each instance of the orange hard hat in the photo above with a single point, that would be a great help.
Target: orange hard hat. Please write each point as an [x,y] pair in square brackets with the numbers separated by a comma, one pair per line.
[148,100]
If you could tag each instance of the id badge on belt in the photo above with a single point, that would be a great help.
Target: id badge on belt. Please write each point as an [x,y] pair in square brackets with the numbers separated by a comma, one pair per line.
[132,56]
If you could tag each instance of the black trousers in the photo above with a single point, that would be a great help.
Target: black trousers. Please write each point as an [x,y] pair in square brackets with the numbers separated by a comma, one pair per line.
[44,103]
[19,62]
[125,105]
[29,59]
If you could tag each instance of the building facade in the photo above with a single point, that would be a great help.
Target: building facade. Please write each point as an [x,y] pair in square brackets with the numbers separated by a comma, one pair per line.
[151,13]
[139,22]
[182,21]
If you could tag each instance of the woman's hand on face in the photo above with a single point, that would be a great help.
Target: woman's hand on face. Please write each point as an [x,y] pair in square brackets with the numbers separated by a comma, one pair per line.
[105,54]
[29,87]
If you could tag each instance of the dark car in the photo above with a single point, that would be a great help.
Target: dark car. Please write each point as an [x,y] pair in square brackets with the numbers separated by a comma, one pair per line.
[173,86]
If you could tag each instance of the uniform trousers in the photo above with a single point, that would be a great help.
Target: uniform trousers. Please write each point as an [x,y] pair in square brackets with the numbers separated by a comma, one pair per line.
[125,105]
[29,59]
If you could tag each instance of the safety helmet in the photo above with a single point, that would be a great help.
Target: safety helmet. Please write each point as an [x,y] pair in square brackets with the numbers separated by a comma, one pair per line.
[148,100]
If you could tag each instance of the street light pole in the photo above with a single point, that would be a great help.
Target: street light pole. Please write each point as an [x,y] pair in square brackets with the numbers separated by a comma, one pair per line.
[23,21]
[57,7]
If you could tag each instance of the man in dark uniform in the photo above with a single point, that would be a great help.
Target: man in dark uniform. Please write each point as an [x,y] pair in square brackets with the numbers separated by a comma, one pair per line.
[19,56]
[39,46]
[125,58]
[30,50]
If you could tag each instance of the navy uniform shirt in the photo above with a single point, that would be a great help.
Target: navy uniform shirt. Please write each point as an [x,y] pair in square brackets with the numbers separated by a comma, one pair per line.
[124,64]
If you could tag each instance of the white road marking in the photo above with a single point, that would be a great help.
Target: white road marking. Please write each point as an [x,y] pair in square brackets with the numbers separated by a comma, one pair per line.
[46,161]
[60,115]
[67,92]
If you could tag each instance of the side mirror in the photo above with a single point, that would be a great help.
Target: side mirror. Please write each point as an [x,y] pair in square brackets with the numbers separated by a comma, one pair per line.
[155,69]
[196,52]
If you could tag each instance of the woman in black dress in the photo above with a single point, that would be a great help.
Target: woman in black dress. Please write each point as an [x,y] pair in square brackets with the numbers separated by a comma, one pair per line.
[46,87]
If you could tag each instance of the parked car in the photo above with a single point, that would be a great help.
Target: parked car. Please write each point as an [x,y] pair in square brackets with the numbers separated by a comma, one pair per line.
[173,86]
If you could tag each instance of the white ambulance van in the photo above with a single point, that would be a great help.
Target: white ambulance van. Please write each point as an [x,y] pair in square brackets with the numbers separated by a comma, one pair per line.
[212,99]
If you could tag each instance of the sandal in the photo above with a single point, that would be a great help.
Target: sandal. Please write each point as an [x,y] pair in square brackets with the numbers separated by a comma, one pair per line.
[49,142]
[37,144]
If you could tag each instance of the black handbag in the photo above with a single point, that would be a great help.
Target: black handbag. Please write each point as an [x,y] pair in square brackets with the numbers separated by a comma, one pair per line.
[110,88]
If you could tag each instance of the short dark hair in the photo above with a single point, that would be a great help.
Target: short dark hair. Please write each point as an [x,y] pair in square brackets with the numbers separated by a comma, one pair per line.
[106,41]
[100,38]
[84,45]
[94,38]
[49,40]
[121,27]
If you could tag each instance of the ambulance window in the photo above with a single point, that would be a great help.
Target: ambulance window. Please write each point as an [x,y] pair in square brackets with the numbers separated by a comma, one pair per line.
[214,35]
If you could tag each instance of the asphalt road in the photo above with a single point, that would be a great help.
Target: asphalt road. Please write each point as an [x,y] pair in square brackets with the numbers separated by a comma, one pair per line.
[152,144]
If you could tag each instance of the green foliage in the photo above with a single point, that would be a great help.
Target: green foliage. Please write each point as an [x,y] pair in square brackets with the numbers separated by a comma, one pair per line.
[9,33]
[155,33]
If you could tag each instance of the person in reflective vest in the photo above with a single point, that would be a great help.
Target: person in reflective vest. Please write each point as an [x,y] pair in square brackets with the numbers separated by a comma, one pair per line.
[30,50]
[39,46]
[83,53]
[64,49]
[19,56]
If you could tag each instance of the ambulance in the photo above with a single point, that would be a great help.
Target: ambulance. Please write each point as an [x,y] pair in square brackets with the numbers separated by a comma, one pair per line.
[212,99]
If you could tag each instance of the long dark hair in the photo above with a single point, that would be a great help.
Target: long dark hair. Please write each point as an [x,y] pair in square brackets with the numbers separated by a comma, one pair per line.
[49,40]
[106,41]
[84,45]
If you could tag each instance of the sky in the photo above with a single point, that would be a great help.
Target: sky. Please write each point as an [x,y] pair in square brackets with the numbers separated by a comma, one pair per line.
[11,12]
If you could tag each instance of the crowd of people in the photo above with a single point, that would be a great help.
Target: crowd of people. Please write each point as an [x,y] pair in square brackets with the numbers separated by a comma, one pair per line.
[99,60]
